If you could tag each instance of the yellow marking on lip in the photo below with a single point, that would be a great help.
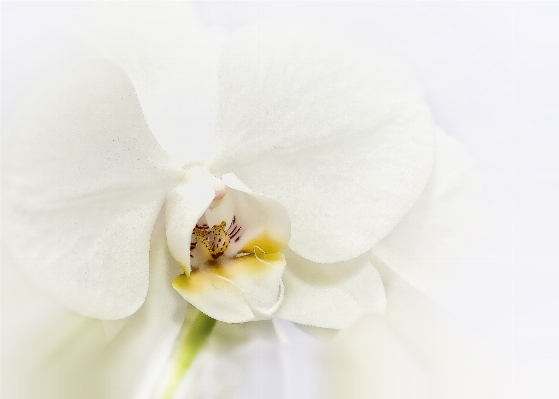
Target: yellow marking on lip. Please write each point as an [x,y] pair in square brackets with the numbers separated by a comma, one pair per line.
[204,278]
[259,256]
[263,243]
[197,282]
[251,264]
[186,283]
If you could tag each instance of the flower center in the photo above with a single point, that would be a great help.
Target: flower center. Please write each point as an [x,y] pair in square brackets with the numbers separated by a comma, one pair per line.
[214,241]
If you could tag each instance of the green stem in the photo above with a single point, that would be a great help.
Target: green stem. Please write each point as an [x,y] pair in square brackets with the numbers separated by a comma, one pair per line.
[188,349]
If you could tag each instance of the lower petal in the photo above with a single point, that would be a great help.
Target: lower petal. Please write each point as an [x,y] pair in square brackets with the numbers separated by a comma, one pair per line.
[429,247]
[54,353]
[454,364]
[330,295]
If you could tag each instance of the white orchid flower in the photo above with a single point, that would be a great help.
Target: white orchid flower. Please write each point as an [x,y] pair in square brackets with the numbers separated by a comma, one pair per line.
[319,157]
[89,179]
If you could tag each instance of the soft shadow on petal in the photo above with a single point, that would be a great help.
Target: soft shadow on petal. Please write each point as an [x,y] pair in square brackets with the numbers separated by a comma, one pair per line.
[367,361]
[172,61]
[430,246]
[455,365]
[84,181]
[57,354]
[169,55]
[330,295]
[346,146]
[184,205]
[37,334]
[135,359]
[413,351]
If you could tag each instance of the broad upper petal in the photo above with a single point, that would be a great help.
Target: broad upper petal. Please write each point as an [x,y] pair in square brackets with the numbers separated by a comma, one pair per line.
[85,181]
[172,59]
[169,55]
[345,145]
[330,295]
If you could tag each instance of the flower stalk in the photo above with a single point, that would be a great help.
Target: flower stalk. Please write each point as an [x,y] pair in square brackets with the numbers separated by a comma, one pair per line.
[187,350]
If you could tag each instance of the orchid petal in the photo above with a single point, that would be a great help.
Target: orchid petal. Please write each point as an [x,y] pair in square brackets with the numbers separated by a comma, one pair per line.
[414,351]
[347,147]
[55,353]
[169,55]
[330,295]
[37,334]
[135,361]
[366,360]
[86,182]
[171,58]
[429,247]
[185,204]
[455,365]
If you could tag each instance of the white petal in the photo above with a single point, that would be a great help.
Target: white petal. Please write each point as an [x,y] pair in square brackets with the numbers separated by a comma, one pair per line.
[345,145]
[264,222]
[37,331]
[135,360]
[429,247]
[455,366]
[169,55]
[330,295]
[367,360]
[85,180]
[57,354]
[172,60]
[184,205]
